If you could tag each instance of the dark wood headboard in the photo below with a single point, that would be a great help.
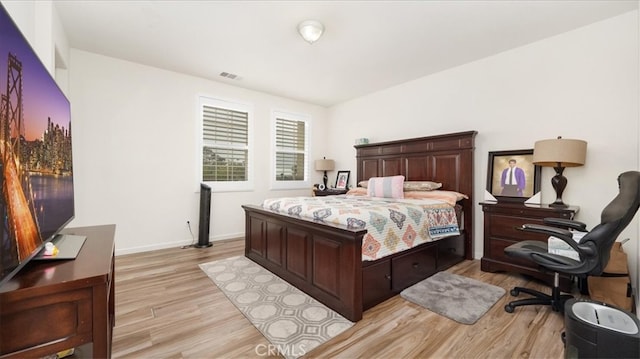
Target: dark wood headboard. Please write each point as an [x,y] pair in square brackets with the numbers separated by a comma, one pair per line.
[444,158]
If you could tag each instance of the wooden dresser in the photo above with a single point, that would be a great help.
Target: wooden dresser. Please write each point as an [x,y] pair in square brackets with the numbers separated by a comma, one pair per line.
[500,223]
[50,306]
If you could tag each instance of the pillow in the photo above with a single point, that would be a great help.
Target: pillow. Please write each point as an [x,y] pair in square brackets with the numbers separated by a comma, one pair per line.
[421,185]
[358,191]
[450,197]
[412,185]
[386,187]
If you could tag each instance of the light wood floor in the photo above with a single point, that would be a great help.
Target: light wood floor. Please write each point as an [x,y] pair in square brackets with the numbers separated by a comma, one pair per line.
[166,307]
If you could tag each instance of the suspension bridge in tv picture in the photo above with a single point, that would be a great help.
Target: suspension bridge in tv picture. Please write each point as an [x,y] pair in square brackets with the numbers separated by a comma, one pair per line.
[17,210]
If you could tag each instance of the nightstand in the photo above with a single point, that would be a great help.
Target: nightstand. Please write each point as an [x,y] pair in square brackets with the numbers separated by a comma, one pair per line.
[500,223]
[329,192]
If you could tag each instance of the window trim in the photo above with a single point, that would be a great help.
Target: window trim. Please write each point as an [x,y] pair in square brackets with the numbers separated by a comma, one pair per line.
[230,186]
[290,185]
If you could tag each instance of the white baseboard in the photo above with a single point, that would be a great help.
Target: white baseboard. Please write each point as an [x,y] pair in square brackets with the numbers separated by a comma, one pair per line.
[165,245]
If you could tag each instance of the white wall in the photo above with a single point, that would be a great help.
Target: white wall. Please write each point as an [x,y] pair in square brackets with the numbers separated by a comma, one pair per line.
[40,25]
[582,84]
[134,134]
[136,156]
[23,14]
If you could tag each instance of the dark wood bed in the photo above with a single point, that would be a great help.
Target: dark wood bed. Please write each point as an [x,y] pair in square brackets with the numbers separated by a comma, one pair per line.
[325,261]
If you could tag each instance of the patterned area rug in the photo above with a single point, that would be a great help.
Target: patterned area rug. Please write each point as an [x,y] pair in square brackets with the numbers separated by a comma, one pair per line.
[291,320]
[462,299]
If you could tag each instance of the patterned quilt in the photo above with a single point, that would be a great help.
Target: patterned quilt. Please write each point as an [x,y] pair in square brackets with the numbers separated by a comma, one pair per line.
[392,225]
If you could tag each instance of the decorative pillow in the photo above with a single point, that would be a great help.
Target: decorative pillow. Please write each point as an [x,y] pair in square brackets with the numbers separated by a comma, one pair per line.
[358,191]
[450,197]
[386,187]
[421,185]
[411,185]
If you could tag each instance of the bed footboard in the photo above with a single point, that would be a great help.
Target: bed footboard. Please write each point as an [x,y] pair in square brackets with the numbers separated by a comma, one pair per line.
[325,261]
[322,260]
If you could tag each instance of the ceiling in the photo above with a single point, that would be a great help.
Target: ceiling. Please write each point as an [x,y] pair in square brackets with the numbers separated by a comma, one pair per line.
[367,45]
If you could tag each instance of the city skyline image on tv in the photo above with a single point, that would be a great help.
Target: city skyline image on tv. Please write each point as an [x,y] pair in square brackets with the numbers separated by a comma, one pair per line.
[35,151]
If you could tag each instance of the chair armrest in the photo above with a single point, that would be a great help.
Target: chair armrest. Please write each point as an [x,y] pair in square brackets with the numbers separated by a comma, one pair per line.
[565,235]
[566,223]
[552,231]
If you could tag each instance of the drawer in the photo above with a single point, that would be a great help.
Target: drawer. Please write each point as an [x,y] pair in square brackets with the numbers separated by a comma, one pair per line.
[376,283]
[530,211]
[506,227]
[450,251]
[409,269]
[496,252]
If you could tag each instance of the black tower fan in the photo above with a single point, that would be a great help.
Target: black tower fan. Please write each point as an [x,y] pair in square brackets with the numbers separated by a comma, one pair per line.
[205,216]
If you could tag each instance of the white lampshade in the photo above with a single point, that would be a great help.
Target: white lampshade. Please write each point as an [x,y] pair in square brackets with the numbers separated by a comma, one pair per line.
[566,152]
[310,30]
[324,165]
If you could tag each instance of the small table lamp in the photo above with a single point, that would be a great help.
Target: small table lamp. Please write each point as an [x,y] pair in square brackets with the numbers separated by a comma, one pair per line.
[325,165]
[559,153]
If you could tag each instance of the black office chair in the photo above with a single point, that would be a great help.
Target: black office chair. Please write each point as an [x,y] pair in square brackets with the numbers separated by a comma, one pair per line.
[594,248]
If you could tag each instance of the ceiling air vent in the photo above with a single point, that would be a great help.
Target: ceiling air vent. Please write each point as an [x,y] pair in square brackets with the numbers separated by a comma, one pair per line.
[228,75]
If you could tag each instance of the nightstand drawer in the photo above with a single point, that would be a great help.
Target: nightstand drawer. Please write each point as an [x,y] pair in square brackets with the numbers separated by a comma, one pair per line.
[507,227]
[501,229]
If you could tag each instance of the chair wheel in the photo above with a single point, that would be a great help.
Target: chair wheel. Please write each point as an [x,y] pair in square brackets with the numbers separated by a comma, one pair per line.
[514,292]
[508,308]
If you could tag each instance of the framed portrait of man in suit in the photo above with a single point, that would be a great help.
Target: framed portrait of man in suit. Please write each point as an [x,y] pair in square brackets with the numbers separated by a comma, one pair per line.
[512,176]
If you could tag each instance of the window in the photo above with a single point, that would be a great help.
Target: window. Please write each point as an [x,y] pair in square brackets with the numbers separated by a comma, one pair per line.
[291,155]
[226,151]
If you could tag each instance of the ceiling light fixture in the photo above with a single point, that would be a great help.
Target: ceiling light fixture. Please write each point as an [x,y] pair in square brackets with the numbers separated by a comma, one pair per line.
[310,30]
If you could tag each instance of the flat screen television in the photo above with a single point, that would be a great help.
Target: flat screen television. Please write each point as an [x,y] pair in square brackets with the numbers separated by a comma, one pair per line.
[37,198]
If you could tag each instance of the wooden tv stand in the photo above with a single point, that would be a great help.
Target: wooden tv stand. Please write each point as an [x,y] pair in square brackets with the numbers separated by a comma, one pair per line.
[50,306]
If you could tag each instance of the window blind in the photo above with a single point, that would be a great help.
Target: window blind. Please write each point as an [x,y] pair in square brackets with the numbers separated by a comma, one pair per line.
[290,150]
[225,135]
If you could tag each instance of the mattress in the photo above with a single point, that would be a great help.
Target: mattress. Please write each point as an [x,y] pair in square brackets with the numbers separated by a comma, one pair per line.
[393,225]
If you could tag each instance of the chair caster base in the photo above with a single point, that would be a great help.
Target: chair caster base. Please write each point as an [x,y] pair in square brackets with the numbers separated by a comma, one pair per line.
[555,300]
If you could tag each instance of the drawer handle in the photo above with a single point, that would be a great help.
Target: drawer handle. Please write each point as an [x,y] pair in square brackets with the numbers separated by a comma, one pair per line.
[387,277]
[415,265]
